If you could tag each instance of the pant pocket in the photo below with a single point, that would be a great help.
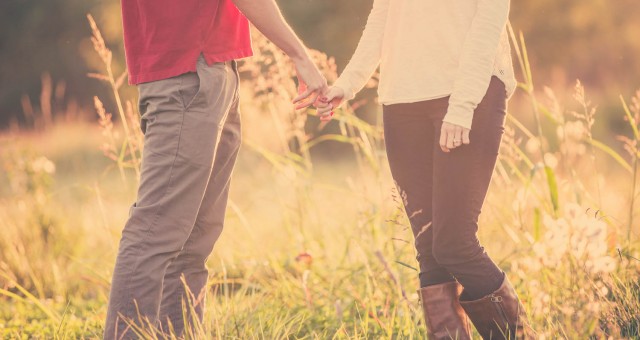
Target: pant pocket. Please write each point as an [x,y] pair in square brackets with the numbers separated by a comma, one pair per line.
[158,98]
[189,89]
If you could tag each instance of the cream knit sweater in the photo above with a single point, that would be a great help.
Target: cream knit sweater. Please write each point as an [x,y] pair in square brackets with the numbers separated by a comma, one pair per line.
[430,49]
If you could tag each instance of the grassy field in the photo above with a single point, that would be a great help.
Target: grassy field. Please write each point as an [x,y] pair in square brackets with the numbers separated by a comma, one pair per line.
[316,244]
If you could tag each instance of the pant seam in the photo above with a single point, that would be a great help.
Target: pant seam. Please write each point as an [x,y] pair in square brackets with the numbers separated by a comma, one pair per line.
[156,215]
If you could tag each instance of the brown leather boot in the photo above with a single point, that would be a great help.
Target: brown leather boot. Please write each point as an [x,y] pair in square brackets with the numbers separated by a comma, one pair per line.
[499,315]
[443,315]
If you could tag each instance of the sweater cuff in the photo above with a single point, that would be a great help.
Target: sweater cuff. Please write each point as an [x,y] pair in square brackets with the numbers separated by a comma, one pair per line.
[459,116]
[348,90]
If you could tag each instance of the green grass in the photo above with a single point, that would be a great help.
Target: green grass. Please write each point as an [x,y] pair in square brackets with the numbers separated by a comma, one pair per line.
[60,234]
[560,219]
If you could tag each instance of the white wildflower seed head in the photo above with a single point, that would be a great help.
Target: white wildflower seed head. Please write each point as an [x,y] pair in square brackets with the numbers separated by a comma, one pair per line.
[576,236]
[533,145]
[551,160]
[43,165]
[575,130]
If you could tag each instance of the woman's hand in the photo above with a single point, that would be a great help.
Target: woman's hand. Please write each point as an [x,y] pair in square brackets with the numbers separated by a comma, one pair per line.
[328,102]
[453,136]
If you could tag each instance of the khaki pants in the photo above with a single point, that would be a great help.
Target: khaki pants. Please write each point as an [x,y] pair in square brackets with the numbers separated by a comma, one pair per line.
[191,125]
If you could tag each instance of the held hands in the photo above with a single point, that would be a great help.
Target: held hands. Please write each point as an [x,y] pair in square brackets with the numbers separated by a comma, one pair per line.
[313,90]
[311,83]
[453,136]
[328,102]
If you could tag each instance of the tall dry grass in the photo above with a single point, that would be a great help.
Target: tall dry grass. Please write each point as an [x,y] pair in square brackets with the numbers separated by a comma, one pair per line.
[321,249]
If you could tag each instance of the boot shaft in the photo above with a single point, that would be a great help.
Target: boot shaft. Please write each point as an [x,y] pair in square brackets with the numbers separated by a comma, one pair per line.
[499,315]
[443,315]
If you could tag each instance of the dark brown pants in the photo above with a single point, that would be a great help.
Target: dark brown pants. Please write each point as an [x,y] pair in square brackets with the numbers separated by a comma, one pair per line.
[444,192]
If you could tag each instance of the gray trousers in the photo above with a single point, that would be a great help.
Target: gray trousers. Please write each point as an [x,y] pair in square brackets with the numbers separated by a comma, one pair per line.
[191,126]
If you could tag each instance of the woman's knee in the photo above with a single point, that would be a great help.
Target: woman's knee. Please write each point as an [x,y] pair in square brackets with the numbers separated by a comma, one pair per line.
[455,252]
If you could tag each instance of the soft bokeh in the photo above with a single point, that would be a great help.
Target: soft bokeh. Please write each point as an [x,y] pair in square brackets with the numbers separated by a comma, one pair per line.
[316,244]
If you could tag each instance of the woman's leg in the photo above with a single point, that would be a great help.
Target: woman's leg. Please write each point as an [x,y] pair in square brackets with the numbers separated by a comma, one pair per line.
[461,180]
[409,138]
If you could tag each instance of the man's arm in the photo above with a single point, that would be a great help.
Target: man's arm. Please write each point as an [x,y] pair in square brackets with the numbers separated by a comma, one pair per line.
[266,16]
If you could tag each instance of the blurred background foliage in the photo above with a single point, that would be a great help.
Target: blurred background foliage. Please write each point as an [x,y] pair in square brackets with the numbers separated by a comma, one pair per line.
[44,45]
[563,222]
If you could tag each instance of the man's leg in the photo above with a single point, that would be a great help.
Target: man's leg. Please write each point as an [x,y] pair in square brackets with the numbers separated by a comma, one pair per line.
[191,261]
[182,120]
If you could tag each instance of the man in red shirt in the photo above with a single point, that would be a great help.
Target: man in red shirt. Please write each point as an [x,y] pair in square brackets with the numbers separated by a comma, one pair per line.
[182,54]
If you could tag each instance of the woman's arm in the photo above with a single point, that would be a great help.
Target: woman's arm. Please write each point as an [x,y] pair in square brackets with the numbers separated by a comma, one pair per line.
[367,56]
[477,61]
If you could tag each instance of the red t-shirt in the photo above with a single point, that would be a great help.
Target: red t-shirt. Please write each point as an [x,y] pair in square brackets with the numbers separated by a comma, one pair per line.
[164,38]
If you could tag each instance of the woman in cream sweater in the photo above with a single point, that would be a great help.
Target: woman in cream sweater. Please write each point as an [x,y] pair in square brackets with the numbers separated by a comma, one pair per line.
[446,74]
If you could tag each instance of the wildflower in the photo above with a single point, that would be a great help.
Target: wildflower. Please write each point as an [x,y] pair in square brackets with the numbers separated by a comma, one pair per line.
[575,130]
[551,160]
[43,165]
[304,258]
[533,145]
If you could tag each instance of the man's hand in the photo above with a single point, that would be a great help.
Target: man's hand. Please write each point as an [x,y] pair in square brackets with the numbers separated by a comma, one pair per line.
[266,16]
[328,102]
[453,136]
[311,83]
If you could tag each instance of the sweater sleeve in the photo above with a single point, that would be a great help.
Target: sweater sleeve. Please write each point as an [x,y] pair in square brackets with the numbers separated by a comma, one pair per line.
[477,61]
[367,56]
